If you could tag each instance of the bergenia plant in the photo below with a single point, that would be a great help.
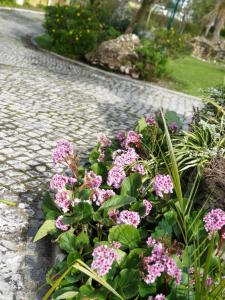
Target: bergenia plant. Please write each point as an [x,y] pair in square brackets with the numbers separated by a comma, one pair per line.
[128,223]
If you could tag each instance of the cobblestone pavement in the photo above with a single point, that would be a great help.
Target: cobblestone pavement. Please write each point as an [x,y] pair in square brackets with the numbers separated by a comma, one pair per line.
[44,98]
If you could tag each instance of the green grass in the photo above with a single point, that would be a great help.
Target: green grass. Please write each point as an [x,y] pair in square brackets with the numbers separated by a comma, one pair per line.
[190,75]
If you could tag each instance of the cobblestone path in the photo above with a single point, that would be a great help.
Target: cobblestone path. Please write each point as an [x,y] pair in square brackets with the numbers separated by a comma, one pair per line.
[42,99]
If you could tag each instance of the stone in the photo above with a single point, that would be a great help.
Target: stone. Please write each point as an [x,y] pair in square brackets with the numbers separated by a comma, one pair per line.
[206,49]
[118,54]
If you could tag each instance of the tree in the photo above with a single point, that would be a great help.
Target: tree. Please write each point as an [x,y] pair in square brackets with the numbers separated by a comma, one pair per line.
[215,19]
[141,13]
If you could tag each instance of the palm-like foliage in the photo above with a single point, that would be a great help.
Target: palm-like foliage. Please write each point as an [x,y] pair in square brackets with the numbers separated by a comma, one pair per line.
[195,148]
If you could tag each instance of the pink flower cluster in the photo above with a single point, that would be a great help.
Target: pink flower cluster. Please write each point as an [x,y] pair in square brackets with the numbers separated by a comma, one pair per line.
[60,225]
[121,137]
[148,207]
[115,177]
[63,149]
[126,158]
[62,200]
[151,121]
[104,142]
[92,180]
[163,185]
[100,196]
[103,258]
[157,297]
[59,181]
[133,139]
[214,221]
[129,217]
[139,169]
[160,262]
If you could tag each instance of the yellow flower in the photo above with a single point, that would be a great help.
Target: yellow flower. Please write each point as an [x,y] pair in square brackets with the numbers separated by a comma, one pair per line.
[53,30]
[78,14]
[88,30]
[77,38]
[168,41]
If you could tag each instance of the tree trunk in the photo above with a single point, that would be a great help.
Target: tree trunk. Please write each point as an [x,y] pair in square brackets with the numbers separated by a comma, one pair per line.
[219,24]
[145,7]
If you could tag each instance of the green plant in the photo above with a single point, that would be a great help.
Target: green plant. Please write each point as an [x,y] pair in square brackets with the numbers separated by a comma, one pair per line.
[118,215]
[75,30]
[151,62]
[153,54]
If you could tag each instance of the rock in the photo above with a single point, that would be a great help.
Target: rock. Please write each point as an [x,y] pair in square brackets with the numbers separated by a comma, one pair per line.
[208,50]
[117,54]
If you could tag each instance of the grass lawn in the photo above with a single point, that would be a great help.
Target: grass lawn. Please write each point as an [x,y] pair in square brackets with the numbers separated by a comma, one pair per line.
[186,74]
[190,75]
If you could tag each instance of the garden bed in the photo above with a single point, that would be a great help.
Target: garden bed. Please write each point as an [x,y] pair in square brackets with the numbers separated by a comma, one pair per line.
[136,221]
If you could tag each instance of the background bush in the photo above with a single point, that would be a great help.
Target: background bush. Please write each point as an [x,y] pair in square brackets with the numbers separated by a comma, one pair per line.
[154,53]
[76,30]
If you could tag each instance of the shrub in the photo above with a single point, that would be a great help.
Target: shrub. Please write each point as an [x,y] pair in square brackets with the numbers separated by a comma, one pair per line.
[154,53]
[128,223]
[75,30]
[151,63]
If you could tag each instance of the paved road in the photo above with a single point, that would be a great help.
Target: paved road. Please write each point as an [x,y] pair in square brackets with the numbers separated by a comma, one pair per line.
[42,99]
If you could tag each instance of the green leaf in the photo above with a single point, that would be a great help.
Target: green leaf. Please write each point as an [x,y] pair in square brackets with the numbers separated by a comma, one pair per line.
[131,185]
[117,201]
[172,116]
[181,292]
[133,259]
[128,281]
[146,289]
[100,169]
[72,257]
[94,156]
[82,213]
[67,241]
[82,240]
[141,125]
[45,229]
[127,235]
[65,293]
[50,210]
[7,202]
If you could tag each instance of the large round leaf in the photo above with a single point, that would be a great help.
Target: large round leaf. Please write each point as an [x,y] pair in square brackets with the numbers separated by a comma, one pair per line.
[127,235]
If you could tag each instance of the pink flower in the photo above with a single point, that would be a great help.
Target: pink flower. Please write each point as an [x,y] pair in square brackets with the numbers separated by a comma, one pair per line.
[58,182]
[139,169]
[160,297]
[121,137]
[116,245]
[126,158]
[163,185]
[100,196]
[92,180]
[214,221]
[148,207]
[150,120]
[103,258]
[173,127]
[60,225]
[62,200]
[150,241]
[63,149]
[159,262]
[103,140]
[72,180]
[208,281]
[133,139]
[129,217]
[115,177]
